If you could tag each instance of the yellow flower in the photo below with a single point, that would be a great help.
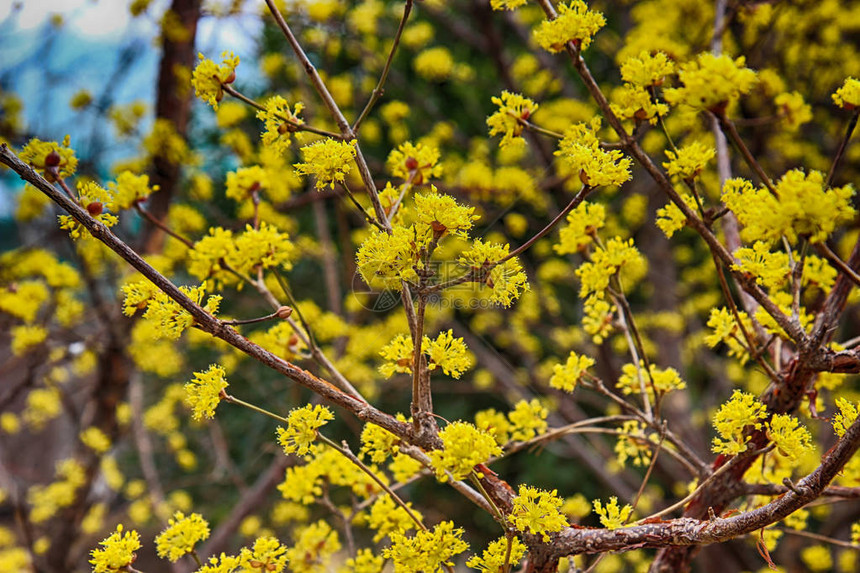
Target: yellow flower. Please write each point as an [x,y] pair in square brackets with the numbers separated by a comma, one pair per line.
[435,64]
[647,69]
[633,443]
[95,439]
[575,23]
[537,511]
[506,280]
[181,535]
[566,376]
[328,160]
[313,548]
[731,420]
[712,82]
[448,353]
[847,415]
[664,379]
[803,206]
[582,226]
[794,110]
[497,555]
[95,199]
[690,160]
[304,424]
[671,219]
[280,122]
[130,189]
[27,337]
[463,447]
[581,151]
[426,550]
[388,258]
[209,78]
[527,420]
[612,516]
[117,551]
[634,102]
[203,393]
[222,564]
[416,163]
[506,5]
[48,157]
[513,108]
[172,319]
[848,96]
[792,440]
[267,555]
[442,215]
[243,182]
[769,269]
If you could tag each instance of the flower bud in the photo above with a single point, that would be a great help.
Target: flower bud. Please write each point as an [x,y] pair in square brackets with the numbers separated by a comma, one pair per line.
[52,159]
[284,312]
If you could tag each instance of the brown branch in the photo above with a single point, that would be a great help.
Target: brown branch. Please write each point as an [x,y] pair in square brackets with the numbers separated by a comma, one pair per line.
[203,319]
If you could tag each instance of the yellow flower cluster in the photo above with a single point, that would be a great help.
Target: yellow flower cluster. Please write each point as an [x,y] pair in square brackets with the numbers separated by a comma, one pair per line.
[203,392]
[497,557]
[181,535]
[583,223]
[689,161]
[414,162]
[507,120]
[527,420]
[712,82]
[95,199]
[279,122]
[769,269]
[328,160]
[506,281]
[848,96]
[463,447]
[426,550]
[664,380]
[633,102]
[245,181]
[46,500]
[537,511]
[566,376]
[130,189]
[49,157]
[847,415]
[265,247]
[633,443]
[209,78]
[791,439]
[802,206]
[742,410]
[725,329]
[618,257]
[117,553]
[649,69]
[172,319]
[387,517]
[304,424]
[580,149]
[611,515]
[445,352]
[313,547]
[574,23]
[670,218]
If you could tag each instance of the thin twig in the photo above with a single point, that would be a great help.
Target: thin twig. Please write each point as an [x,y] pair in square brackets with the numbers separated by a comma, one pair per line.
[852,123]
[380,86]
